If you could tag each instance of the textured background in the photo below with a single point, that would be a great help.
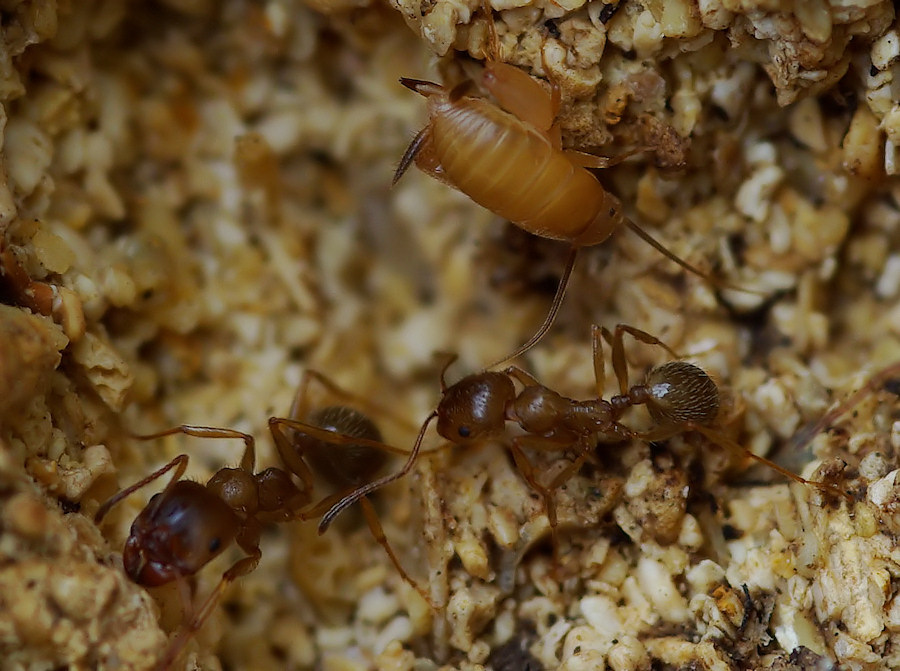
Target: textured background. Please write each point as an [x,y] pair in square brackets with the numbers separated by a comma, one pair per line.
[199,192]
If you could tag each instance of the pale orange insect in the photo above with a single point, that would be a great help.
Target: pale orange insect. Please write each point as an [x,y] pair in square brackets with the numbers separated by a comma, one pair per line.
[509,159]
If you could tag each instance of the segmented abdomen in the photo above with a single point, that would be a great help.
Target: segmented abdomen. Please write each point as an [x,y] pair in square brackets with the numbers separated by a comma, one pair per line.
[510,168]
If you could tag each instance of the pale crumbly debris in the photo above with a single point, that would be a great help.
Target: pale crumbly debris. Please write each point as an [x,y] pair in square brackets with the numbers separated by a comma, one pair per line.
[200,192]
[60,605]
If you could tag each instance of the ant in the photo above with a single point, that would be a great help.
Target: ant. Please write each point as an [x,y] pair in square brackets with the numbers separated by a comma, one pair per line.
[680,397]
[508,158]
[187,524]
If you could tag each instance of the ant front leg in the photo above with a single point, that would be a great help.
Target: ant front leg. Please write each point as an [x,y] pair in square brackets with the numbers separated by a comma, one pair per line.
[529,474]
[722,440]
[300,405]
[380,537]
[248,540]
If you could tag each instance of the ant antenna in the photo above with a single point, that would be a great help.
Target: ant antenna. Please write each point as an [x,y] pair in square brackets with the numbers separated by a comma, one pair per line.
[367,489]
[551,315]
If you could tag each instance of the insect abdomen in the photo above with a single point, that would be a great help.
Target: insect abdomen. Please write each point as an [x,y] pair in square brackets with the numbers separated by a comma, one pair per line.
[511,169]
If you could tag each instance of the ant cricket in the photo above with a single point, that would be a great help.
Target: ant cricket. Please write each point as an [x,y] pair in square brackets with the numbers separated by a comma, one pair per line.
[508,157]
[679,396]
[187,524]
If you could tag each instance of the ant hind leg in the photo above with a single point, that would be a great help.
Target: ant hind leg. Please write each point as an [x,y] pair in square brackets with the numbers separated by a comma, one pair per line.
[300,405]
[617,342]
[378,533]
[722,440]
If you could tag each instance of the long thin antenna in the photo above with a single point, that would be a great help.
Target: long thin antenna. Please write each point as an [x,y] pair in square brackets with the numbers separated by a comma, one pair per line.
[367,489]
[551,315]
[658,246]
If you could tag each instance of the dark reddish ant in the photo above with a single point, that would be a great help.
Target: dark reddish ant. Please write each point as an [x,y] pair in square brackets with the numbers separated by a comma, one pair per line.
[187,525]
[680,397]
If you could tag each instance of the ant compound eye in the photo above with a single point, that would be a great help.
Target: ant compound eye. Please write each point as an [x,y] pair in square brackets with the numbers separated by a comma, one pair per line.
[215,544]
[464,432]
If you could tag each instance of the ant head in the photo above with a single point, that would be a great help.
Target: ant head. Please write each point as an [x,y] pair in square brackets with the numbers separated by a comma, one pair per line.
[474,407]
[682,393]
[178,534]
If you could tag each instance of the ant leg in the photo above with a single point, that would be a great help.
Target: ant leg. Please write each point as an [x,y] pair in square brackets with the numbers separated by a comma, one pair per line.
[597,358]
[378,533]
[248,460]
[300,405]
[723,441]
[572,468]
[877,381]
[551,315]
[240,568]
[527,470]
[185,593]
[617,342]
[293,458]
[179,463]
[639,335]
[365,490]
[290,457]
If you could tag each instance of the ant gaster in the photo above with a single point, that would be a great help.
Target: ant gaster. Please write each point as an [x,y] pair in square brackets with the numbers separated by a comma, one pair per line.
[187,524]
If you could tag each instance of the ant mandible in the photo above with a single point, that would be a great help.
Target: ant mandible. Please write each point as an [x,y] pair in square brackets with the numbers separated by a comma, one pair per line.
[509,159]
[187,524]
[680,397]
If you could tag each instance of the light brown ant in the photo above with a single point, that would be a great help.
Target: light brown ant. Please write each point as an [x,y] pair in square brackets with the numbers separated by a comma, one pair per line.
[187,524]
[680,397]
